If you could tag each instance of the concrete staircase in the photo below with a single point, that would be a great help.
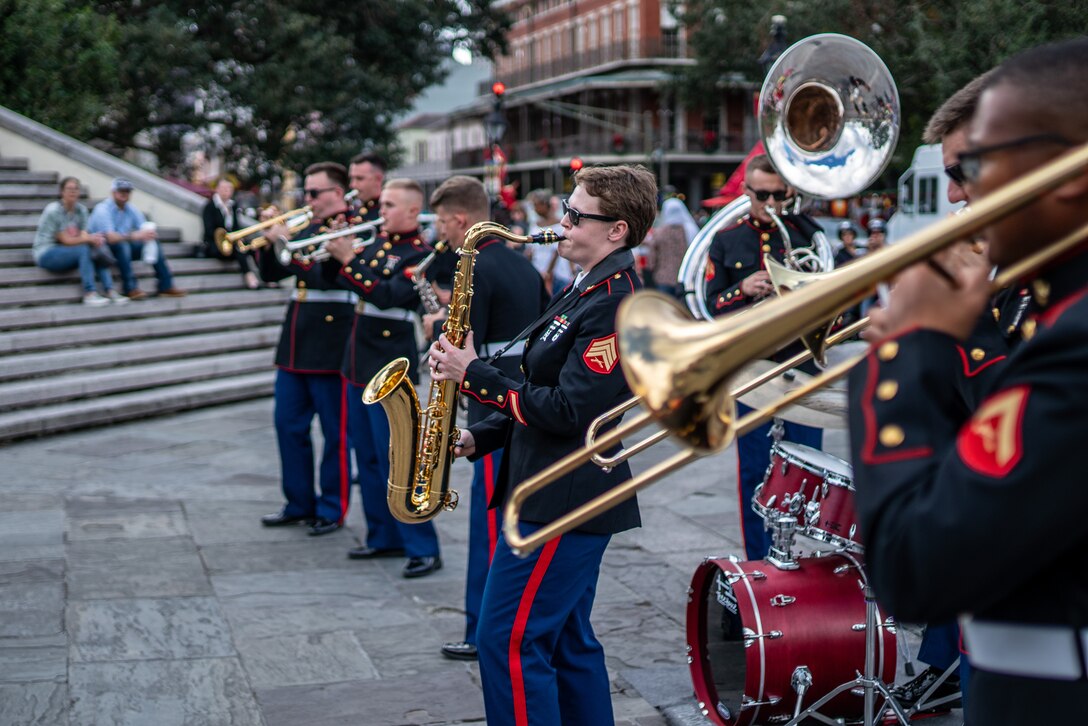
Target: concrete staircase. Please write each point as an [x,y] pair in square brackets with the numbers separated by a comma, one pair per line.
[64,365]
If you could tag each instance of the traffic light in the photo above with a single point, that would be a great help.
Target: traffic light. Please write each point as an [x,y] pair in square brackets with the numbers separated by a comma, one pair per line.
[576,164]
[498,88]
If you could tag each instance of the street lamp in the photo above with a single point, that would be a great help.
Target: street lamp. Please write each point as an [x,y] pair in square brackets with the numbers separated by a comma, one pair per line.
[495,126]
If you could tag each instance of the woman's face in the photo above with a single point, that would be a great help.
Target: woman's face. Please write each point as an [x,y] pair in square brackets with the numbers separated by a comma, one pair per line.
[588,242]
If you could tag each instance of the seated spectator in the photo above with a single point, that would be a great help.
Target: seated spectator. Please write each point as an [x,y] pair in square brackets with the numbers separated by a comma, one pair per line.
[62,243]
[222,213]
[129,234]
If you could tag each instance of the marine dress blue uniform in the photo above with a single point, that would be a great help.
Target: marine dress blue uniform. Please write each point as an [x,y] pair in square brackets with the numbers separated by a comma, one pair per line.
[311,346]
[540,661]
[383,329]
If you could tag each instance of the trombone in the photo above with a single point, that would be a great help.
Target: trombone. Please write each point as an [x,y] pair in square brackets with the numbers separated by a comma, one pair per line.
[295,220]
[680,369]
[285,251]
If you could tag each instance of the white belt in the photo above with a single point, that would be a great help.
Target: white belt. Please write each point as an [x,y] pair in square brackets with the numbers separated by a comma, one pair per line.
[340,296]
[371,310]
[489,349]
[1029,650]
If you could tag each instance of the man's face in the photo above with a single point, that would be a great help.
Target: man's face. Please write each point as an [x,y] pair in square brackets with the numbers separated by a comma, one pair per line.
[876,241]
[400,210]
[1001,118]
[757,182]
[366,179]
[451,226]
[70,194]
[324,197]
[951,146]
[121,197]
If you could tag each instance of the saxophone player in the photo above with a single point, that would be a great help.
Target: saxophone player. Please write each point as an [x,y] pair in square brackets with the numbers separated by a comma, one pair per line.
[384,329]
[508,294]
[537,651]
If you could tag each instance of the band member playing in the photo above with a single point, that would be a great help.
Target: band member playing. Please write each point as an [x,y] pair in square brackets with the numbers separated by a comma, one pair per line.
[366,172]
[539,657]
[308,358]
[383,330]
[736,277]
[932,482]
[508,294]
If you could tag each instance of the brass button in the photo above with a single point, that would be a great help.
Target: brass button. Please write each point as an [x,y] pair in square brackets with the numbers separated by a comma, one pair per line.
[499,398]
[302,283]
[373,263]
[755,223]
[385,333]
[358,276]
[483,391]
[888,351]
[1011,329]
[328,318]
[764,237]
[738,265]
[616,276]
[379,254]
[388,246]
[766,248]
[886,390]
[387,272]
[396,238]
[465,385]
[997,314]
[1042,291]
[1027,332]
[368,283]
[348,269]
[977,354]
[891,436]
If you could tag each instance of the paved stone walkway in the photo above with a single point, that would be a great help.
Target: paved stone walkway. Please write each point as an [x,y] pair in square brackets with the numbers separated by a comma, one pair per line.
[137,587]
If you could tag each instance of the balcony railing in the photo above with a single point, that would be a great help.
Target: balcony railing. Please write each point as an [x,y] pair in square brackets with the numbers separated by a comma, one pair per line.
[644,49]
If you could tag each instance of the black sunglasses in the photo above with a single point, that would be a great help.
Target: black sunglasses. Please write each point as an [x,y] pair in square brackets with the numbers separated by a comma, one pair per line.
[955,173]
[762,194]
[576,216]
[315,193]
[971,160]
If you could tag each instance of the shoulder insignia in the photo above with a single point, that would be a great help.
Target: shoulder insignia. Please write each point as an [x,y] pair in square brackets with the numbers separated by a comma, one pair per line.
[709,270]
[991,443]
[602,355]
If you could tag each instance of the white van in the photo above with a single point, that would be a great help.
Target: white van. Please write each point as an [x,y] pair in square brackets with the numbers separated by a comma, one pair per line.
[923,194]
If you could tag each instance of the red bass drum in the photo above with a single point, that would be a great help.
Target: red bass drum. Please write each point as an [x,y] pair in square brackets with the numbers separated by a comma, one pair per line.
[750,626]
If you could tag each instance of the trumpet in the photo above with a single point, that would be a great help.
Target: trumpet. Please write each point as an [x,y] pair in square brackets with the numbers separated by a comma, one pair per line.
[295,220]
[680,370]
[285,251]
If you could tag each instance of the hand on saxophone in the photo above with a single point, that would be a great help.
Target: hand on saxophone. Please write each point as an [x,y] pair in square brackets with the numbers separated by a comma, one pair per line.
[466,444]
[449,363]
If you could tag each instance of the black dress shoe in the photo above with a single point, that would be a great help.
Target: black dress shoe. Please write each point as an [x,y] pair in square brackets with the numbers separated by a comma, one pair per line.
[323,526]
[459,651]
[280,519]
[421,566]
[369,553]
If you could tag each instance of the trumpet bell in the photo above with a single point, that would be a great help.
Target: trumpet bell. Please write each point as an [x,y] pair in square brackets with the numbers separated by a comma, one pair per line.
[223,242]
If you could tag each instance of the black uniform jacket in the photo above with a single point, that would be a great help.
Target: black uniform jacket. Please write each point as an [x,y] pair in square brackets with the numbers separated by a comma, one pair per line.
[737,252]
[982,514]
[214,219]
[314,332]
[572,375]
[381,274]
[507,294]
[987,348]
[367,211]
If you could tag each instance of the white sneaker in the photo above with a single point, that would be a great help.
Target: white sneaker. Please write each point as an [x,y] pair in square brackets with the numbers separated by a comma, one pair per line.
[117,298]
[93,298]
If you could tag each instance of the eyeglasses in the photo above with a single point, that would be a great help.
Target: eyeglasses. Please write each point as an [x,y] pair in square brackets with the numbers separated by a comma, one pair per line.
[955,173]
[762,194]
[576,216]
[971,160]
[315,193]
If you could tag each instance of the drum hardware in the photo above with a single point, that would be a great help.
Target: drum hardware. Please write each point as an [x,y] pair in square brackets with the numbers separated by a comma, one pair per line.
[781,601]
[783,531]
[800,681]
[751,635]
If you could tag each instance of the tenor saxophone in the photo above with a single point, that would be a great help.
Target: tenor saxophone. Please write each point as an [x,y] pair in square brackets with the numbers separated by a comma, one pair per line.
[421,440]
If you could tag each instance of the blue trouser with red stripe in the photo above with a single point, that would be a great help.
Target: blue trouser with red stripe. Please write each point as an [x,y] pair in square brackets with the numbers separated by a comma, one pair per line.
[484,527]
[369,431]
[540,662]
[753,458]
[299,396]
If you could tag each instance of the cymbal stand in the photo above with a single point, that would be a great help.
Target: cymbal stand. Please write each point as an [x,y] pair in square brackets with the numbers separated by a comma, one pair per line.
[868,683]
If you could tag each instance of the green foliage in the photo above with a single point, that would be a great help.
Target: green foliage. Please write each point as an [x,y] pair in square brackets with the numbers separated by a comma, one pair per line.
[271,83]
[932,47]
[58,63]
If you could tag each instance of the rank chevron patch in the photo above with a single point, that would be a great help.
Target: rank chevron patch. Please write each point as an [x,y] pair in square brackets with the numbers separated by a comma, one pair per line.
[602,355]
[991,442]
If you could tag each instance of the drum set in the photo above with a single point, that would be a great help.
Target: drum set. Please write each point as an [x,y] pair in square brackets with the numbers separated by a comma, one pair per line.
[795,639]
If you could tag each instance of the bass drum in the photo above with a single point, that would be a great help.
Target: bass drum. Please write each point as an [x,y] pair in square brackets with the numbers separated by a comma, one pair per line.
[752,628]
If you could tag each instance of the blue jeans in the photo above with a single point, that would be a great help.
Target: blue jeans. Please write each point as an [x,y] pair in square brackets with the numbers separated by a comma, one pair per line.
[125,252]
[62,258]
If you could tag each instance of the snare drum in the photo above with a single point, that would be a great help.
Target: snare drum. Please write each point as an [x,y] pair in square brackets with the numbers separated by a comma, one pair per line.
[831,516]
[753,628]
[798,475]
